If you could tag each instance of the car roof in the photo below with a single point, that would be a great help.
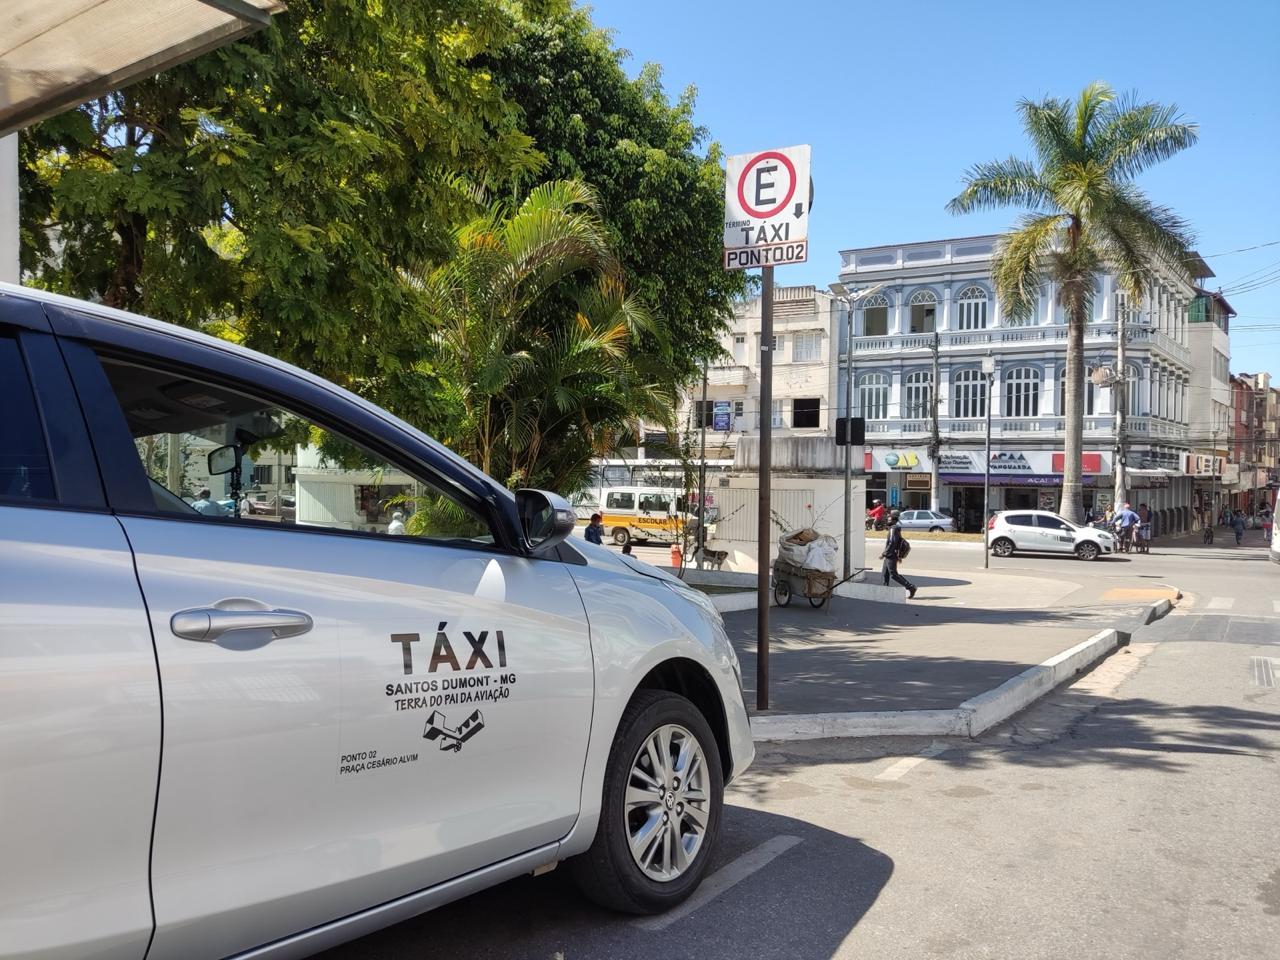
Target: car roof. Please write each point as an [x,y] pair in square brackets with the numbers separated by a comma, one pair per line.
[149,324]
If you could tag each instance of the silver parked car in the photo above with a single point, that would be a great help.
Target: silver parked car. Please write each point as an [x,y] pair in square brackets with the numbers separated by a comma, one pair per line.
[927,520]
[224,736]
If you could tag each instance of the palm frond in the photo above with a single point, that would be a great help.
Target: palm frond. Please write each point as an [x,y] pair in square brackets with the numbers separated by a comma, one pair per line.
[1089,105]
[1047,124]
[1020,261]
[1001,183]
[1137,135]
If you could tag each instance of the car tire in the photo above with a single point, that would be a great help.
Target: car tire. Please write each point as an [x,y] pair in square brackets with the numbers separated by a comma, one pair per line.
[621,536]
[1087,550]
[1002,547]
[608,873]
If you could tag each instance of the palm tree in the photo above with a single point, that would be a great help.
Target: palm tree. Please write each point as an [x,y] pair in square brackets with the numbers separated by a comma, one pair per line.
[1085,215]
[538,386]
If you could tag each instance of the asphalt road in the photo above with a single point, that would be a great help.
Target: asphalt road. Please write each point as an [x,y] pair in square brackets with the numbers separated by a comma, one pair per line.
[1128,815]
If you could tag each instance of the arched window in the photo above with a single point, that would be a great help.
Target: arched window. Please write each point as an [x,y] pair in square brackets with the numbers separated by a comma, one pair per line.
[969,388]
[1133,391]
[1022,392]
[875,316]
[918,394]
[924,311]
[873,396]
[1090,392]
[971,309]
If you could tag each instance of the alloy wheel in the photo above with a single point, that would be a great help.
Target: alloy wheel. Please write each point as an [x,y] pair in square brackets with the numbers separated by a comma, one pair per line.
[667,805]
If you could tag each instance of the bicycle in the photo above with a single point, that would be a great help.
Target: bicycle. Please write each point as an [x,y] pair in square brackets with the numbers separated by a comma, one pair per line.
[1208,533]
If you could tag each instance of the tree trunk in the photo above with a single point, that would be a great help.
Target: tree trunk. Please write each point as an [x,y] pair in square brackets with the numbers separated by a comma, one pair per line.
[1072,506]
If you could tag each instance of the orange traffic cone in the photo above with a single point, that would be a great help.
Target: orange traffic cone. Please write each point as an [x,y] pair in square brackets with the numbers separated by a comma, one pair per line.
[676,556]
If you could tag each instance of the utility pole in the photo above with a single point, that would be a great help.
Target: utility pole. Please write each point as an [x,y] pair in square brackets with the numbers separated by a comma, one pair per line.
[764,533]
[702,476]
[988,371]
[935,436]
[1120,397]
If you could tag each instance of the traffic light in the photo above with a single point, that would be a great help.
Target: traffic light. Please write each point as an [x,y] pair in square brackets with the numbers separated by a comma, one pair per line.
[851,431]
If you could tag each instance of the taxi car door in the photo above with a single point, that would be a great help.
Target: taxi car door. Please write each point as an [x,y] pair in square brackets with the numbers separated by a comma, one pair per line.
[1056,535]
[349,716]
[79,697]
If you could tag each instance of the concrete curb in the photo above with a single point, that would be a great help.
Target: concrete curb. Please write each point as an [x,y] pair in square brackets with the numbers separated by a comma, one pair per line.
[732,602]
[973,717]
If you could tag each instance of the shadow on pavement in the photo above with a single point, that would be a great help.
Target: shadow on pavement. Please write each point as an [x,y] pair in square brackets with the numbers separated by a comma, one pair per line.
[880,656]
[803,903]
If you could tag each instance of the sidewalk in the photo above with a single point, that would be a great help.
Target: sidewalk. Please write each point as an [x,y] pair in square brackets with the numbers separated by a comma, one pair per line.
[964,635]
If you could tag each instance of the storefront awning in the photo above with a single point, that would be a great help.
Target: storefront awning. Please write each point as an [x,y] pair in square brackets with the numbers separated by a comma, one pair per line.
[1011,479]
[55,54]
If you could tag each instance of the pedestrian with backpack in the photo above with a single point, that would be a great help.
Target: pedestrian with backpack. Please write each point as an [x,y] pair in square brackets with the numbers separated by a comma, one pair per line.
[896,549]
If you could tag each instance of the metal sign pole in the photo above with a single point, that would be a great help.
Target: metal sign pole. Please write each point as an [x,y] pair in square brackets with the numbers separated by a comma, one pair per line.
[763,532]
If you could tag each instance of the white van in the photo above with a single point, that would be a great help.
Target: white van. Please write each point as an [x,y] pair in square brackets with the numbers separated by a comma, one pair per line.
[648,513]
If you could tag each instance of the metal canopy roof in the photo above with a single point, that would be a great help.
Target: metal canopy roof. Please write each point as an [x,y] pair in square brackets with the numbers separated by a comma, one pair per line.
[55,54]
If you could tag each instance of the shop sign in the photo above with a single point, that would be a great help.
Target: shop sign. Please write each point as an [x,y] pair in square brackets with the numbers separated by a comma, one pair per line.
[720,421]
[1202,466]
[1010,463]
[956,462]
[902,460]
[1048,500]
[919,481]
[1089,462]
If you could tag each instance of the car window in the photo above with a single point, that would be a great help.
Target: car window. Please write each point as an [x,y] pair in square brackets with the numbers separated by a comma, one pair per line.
[25,472]
[199,443]
[620,501]
[1019,520]
[1053,523]
[654,502]
[909,515]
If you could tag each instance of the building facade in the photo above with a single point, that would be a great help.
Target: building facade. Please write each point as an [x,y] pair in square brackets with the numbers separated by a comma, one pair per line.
[1209,464]
[804,373]
[938,297]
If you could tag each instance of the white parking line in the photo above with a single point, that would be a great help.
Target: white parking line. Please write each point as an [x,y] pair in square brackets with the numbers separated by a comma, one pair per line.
[901,768]
[720,881]
[1221,603]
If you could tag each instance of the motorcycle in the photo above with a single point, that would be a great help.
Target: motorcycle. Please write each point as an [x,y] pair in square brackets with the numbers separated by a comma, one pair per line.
[877,523]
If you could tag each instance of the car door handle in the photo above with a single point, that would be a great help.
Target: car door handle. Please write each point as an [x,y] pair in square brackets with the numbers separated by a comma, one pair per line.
[238,614]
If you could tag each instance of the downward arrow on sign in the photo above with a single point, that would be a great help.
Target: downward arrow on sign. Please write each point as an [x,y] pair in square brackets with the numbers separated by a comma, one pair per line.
[799,211]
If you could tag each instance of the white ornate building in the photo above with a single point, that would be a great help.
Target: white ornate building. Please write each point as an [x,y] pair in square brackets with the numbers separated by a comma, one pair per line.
[944,288]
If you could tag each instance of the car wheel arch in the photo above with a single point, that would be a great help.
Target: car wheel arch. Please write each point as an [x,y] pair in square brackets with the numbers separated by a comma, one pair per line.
[690,679]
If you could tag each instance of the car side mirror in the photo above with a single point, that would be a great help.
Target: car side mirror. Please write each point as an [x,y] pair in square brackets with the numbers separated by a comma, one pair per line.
[223,460]
[546,519]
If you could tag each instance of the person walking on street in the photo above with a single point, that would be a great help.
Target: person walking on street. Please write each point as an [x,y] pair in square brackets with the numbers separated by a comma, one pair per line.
[893,552]
[396,527]
[1237,524]
[1128,522]
[1266,518]
[595,530]
[204,503]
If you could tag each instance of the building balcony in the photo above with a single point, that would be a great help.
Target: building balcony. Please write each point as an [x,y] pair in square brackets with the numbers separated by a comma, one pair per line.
[731,375]
[1025,428]
[996,337]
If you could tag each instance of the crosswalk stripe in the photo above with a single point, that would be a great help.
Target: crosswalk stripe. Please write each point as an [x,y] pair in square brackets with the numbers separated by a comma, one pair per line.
[1222,603]
[1275,605]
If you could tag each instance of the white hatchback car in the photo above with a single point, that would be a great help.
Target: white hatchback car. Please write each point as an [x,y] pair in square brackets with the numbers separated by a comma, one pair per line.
[232,736]
[1039,531]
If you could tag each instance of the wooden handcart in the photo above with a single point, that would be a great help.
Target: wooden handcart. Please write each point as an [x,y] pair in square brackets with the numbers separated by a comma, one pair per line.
[790,580]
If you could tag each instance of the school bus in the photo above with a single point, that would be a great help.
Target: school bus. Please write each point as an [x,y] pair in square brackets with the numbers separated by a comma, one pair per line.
[645,513]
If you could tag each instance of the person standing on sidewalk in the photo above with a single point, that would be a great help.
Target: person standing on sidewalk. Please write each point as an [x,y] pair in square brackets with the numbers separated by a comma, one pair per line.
[893,553]
[595,530]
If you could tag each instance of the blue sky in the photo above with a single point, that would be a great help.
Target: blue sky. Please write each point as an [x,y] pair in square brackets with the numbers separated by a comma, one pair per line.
[898,99]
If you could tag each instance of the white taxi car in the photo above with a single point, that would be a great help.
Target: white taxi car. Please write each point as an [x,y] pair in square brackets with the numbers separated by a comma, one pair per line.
[1039,531]
[250,736]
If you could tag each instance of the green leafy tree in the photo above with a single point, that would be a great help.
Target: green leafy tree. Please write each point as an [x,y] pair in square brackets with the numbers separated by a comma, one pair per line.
[1085,215]
[276,189]
[535,394]
[659,180]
